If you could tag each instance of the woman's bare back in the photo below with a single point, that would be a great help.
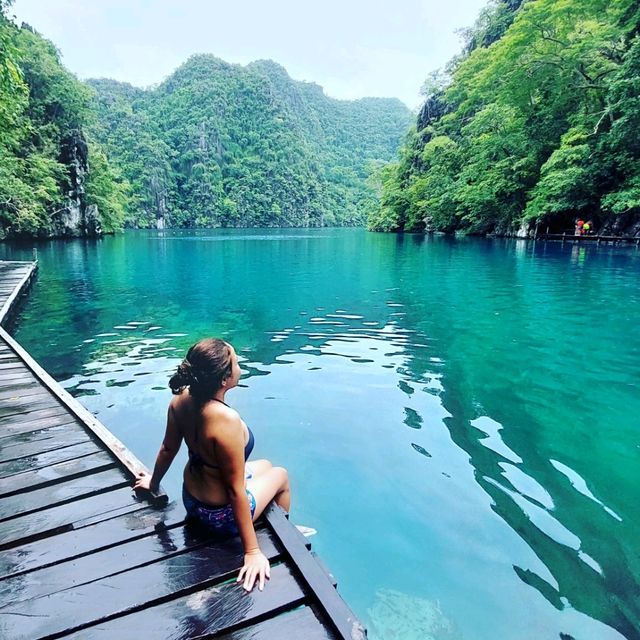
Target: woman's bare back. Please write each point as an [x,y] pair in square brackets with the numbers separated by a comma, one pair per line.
[202,476]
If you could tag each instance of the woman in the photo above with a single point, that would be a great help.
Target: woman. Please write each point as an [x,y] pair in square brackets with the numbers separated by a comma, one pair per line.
[219,488]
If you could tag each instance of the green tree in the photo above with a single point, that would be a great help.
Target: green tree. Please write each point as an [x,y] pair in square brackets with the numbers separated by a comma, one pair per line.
[43,110]
[541,108]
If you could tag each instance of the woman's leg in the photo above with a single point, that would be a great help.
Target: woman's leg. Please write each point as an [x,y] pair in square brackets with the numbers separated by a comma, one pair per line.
[258,467]
[272,484]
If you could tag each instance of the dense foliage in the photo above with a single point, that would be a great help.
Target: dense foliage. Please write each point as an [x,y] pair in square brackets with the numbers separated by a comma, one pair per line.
[535,122]
[218,144]
[46,167]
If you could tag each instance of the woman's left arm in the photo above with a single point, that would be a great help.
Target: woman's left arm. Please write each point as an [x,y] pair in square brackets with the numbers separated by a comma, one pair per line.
[168,450]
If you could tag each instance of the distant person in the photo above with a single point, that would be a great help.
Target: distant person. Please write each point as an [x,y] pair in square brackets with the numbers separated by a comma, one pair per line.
[579,226]
[588,227]
[220,490]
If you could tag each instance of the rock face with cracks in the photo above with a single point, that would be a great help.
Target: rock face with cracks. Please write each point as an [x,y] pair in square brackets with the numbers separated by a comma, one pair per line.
[76,217]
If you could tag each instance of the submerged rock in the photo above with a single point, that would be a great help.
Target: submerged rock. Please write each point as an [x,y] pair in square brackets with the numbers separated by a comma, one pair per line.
[400,616]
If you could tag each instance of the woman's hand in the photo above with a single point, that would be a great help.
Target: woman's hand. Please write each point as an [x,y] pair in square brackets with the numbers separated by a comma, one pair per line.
[143,482]
[256,566]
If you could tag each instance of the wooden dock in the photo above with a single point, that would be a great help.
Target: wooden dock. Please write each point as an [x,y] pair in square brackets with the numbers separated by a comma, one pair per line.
[82,557]
[569,236]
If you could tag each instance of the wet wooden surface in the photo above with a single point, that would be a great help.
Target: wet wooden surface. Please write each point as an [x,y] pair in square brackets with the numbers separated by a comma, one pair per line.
[82,557]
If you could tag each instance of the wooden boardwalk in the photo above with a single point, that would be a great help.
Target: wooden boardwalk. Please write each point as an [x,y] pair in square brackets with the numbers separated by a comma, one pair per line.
[82,557]
[569,236]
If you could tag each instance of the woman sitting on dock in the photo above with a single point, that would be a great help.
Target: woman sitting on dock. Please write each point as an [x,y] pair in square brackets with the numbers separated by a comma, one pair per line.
[220,489]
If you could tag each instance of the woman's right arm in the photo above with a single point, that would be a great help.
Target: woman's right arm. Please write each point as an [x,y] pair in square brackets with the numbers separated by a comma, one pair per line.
[230,456]
[168,450]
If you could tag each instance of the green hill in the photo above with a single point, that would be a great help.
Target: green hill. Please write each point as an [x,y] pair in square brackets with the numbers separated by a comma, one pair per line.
[535,123]
[220,144]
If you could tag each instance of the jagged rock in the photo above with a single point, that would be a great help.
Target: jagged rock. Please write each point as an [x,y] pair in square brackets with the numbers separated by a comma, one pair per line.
[524,231]
[624,224]
[75,217]
[158,189]
[434,108]
[92,224]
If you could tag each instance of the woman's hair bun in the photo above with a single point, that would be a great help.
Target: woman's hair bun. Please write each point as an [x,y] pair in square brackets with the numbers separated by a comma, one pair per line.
[207,365]
[183,377]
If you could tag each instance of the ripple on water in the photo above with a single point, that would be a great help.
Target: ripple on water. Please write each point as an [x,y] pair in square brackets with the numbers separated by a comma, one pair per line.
[431,333]
[579,484]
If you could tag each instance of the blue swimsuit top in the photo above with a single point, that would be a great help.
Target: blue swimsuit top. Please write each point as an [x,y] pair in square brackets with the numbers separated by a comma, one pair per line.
[196,460]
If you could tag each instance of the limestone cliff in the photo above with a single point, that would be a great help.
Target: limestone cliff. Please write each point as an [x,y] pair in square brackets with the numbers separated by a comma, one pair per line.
[75,217]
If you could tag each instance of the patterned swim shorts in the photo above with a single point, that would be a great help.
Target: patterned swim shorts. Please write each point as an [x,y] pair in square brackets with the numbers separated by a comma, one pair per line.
[219,519]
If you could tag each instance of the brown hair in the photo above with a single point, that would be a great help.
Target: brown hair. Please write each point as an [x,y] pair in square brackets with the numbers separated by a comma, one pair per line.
[207,364]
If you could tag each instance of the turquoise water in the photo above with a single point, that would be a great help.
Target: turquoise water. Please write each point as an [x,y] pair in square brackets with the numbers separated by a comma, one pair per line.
[459,416]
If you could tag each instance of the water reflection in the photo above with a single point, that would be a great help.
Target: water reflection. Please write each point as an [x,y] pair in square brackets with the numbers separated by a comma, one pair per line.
[431,397]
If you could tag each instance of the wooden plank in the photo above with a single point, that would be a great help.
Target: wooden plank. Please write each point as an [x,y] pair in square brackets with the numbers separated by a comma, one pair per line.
[30,480]
[8,366]
[50,497]
[97,565]
[34,448]
[134,554]
[153,584]
[32,403]
[124,509]
[201,614]
[8,288]
[56,432]
[47,458]
[7,378]
[15,393]
[343,620]
[62,419]
[299,623]
[41,524]
[20,378]
[325,570]
[137,523]
[19,389]
[128,460]
[10,422]
[26,276]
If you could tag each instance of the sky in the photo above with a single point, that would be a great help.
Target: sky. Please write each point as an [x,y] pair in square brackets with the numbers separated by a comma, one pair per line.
[352,48]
